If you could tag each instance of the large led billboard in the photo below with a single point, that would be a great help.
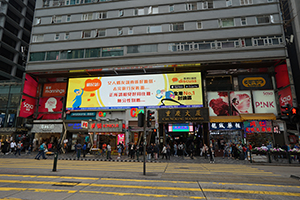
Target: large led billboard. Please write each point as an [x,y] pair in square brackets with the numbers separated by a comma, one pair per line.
[156,90]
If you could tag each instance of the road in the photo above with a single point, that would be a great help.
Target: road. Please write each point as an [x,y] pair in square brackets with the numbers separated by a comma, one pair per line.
[33,179]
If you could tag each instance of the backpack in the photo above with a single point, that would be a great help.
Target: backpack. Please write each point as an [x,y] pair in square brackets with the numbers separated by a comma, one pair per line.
[42,148]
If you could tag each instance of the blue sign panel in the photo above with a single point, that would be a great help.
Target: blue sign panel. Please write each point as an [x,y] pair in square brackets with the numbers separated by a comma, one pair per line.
[74,126]
[226,125]
[81,116]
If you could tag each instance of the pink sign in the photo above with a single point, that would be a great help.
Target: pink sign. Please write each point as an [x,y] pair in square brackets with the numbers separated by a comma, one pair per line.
[27,107]
[285,97]
[50,104]
[121,138]
[30,86]
[45,116]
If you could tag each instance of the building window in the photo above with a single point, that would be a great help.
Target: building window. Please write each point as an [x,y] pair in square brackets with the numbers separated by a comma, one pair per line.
[121,13]
[171,8]
[38,56]
[130,30]
[92,53]
[67,36]
[111,52]
[38,21]
[227,22]
[37,38]
[72,2]
[46,3]
[152,10]
[177,27]
[56,37]
[86,34]
[68,18]
[243,21]
[56,19]
[139,11]
[142,48]
[101,15]
[100,33]
[154,29]
[120,31]
[87,16]
[208,4]
[191,6]
[263,19]
[72,54]
[228,3]
[246,2]
[199,25]
[52,55]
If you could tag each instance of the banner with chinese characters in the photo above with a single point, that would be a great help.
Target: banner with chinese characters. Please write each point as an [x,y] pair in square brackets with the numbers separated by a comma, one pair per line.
[182,115]
[226,125]
[256,126]
[105,126]
[156,90]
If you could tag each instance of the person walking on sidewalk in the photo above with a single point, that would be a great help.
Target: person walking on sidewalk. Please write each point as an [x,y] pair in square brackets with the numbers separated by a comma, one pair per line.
[13,146]
[119,150]
[41,152]
[108,151]
[175,149]
[168,152]
[164,152]
[192,148]
[78,147]
[19,147]
[84,149]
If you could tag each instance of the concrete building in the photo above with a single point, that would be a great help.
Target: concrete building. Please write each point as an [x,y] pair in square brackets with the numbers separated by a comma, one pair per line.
[222,39]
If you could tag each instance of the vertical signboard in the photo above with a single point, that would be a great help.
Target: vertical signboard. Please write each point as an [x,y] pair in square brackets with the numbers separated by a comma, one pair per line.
[264,101]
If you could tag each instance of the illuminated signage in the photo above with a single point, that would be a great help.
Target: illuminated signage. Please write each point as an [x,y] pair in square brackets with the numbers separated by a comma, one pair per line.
[135,111]
[181,127]
[255,126]
[261,81]
[226,125]
[102,114]
[155,90]
[105,126]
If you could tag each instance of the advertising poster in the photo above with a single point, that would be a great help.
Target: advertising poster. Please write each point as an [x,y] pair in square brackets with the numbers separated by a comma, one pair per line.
[169,90]
[240,102]
[27,107]
[45,116]
[264,101]
[54,89]
[218,103]
[30,86]
[50,104]
[285,97]
[281,76]
[121,139]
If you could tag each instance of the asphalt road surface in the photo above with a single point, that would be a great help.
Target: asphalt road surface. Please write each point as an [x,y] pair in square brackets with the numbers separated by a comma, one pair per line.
[33,179]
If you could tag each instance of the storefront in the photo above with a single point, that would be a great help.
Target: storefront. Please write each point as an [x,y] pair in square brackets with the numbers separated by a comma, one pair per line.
[106,131]
[6,134]
[49,133]
[226,129]
[75,133]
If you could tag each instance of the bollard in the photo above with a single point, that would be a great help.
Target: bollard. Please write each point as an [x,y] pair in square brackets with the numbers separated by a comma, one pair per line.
[289,157]
[55,161]
[250,157]
[269,157]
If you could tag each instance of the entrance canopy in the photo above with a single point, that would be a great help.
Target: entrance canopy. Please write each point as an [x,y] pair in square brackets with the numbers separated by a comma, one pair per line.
[215,119]
[258,116]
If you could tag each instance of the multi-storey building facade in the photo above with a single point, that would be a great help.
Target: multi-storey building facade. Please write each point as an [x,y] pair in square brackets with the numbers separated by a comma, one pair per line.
[16,18]
[225,40]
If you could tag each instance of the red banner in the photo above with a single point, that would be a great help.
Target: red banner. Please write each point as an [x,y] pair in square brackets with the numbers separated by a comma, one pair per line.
[285,97]
[282,76]
[54,89]
[50,104]
[27,107]
[45,116]
[30,86]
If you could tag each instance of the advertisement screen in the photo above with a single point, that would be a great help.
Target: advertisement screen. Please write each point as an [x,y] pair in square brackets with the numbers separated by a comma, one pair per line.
[285,97]
[181,127]
[218,103]
[264,101]
[27,107]
[30,86]
[50,104]
[240,102]
[158,90]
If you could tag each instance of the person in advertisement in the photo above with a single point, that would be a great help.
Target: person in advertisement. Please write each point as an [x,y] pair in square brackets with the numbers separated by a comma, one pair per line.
[78,99]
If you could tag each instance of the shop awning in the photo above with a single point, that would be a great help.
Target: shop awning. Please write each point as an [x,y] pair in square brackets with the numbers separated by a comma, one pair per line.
[258,116]
[215,119]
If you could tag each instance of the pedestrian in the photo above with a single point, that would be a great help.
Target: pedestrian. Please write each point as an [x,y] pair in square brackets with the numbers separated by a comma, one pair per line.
[132,150]
[104,146]
[168,151]
[18,147]
[13,146]
[180,149]
[41,151]
[184,150]
[192,148]
[29,149]
[78,147]
[149,151]
[84,149]
[119,150]
[211,153]
[164,152]
[245,151]
[137,152]
[175,149]
[108,151]
[204,151]
[156,150]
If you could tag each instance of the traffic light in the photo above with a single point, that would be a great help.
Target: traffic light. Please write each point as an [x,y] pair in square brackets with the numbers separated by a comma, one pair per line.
[287,111]
[150,117]
[141,119]
[294,115]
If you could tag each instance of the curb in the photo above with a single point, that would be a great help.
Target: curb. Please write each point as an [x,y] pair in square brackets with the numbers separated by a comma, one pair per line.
[112,160]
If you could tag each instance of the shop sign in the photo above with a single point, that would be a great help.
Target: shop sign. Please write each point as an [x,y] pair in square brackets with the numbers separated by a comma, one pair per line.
[7,130]
[121,138]
[105,126]
[264,101]
[84,124]
[135,111]
[83,114]
[255,126]
[47,128]
[226,126]
[102,114]
[173,90]
[54,89]
[250,82]
[182,115]
[74,126]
